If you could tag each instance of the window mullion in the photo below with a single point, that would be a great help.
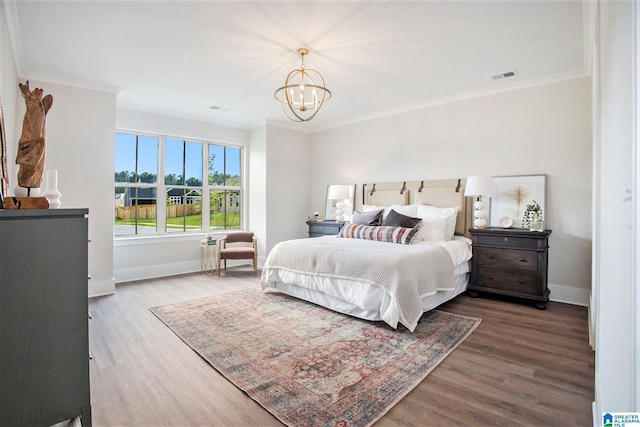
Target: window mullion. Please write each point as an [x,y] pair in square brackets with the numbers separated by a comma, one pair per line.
[161,194]
[229,195]
[205,202]
[184,189]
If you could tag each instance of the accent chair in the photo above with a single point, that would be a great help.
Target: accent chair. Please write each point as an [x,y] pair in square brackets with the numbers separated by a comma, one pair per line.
[238,245]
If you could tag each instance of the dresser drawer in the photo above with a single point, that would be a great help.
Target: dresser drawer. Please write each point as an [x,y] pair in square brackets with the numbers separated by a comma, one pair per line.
[324,228]
[506,258]
[511,262]
[507,280]
[510,242]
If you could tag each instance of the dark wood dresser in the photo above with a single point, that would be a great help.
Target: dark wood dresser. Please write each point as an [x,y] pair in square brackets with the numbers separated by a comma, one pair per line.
[44,334]
[324,228]
[510,262]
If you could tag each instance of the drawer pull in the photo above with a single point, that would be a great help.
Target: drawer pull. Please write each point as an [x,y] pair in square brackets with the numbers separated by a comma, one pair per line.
[490,277]
[506,239]
[520,281]
[522,259]
[491,256]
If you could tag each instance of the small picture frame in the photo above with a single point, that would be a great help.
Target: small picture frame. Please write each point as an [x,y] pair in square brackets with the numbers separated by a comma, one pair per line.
[512,195]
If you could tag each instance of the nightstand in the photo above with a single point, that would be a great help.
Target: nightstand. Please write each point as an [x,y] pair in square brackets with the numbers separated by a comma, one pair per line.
[510,262]
[324,228]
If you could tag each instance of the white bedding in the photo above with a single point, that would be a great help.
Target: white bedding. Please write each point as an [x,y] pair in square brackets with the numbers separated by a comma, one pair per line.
[368,279]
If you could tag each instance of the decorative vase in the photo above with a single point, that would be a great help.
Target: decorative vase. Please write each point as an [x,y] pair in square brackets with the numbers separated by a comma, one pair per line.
[51,193]
[537,224]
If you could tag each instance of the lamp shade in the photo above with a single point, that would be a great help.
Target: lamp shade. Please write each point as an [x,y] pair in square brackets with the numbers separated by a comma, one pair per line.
[479,186]
[338,192]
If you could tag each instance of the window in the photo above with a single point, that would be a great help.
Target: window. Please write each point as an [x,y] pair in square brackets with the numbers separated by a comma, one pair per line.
[224,187]
[183,176]
[136,186]
[185,196]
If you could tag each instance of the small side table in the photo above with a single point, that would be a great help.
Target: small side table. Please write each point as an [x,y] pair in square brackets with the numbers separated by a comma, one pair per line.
[208,257]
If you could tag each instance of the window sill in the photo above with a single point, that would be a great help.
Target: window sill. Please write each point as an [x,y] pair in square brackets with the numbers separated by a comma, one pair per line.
[164,238]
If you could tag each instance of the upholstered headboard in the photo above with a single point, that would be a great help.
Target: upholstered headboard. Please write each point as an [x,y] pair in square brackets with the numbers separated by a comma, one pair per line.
[443,193]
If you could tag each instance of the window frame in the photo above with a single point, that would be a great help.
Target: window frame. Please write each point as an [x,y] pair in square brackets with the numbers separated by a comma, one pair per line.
[206,188]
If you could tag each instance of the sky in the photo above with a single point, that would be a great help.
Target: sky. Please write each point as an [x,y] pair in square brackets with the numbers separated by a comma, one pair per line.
[148,153]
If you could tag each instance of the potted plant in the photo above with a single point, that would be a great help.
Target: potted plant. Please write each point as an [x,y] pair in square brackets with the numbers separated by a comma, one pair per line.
[533,218]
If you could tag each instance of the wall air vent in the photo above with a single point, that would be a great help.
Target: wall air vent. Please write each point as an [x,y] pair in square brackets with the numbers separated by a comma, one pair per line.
[220,108]
[504,75]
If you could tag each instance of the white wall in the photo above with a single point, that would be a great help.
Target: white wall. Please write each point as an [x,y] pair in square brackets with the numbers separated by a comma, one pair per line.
[156,256]
[280,172]
[538,130]
[79,145]
[613,292]
[9,92]
[79,137]
[79,128]
[258,193]
[288,175]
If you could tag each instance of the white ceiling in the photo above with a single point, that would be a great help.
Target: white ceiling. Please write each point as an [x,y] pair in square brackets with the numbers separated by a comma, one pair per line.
[377,57]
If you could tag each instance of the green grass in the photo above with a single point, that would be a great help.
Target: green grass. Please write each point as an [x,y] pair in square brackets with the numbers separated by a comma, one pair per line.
[191,222]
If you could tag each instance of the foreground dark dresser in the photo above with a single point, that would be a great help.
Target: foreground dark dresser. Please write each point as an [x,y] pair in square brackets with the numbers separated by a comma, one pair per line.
[511,262]
[44,334]
[324,228]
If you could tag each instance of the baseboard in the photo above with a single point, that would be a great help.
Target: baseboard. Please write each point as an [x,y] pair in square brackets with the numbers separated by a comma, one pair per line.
[101,287]
[559,293]
[569,295]
[163,270]
[153,271]
[596,410]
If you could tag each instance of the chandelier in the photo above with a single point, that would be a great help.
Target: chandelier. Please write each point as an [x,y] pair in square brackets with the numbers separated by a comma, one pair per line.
[303,92]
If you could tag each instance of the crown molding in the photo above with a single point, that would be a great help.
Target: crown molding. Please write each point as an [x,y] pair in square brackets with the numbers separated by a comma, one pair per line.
[64,81]
[510,87]
[244,125]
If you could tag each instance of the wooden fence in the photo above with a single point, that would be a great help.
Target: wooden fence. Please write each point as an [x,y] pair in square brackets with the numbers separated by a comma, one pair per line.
[149,211]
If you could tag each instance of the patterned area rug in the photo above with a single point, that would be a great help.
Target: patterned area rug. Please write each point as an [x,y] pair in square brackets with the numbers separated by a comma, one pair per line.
[310,366]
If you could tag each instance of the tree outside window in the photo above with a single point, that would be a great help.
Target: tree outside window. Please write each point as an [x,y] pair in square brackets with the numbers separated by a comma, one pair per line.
[137,186]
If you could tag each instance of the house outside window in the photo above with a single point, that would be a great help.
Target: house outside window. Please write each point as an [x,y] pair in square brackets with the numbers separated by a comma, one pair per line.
[184,197]
[136,185]
[224,179]
[183,177]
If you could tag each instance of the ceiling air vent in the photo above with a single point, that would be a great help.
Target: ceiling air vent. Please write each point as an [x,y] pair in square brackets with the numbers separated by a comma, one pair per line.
[504,75]
[220,108]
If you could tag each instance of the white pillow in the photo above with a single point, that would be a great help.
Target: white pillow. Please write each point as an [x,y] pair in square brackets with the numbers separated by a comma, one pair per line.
[368,208]
[408,210]
[431,228]
[448,214]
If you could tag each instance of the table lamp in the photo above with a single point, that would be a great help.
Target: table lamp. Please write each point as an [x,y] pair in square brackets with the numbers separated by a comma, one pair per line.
[340,193]
[479,186]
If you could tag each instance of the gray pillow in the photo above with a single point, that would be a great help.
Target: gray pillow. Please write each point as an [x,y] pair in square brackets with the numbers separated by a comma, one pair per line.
[396,219]
[367,218]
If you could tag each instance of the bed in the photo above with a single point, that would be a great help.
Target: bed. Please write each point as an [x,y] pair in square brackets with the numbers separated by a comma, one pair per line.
[391,273]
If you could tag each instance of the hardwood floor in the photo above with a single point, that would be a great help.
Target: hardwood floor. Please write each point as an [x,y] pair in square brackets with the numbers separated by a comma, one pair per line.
[521,366]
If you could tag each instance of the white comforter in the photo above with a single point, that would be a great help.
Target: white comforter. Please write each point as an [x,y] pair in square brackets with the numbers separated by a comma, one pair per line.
[386,277]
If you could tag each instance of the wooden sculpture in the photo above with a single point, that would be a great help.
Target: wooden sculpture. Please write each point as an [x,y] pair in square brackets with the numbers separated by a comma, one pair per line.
[31,146]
